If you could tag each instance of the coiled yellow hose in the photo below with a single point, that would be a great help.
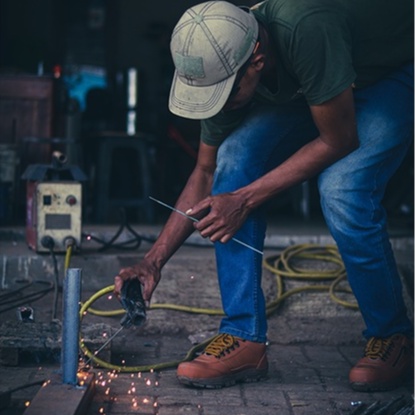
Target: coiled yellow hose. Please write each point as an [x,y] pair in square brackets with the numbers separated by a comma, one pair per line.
[282,265]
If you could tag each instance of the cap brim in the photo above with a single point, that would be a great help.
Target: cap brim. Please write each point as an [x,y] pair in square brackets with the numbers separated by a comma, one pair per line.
[199,102]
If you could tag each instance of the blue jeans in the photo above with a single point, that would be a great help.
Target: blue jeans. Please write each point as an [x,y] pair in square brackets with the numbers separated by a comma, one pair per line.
[351,192]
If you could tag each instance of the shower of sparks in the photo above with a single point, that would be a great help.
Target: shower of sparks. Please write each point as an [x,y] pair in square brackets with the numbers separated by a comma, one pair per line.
[135,391]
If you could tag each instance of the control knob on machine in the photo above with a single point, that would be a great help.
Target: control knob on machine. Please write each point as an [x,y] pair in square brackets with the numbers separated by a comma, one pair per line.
[71,200]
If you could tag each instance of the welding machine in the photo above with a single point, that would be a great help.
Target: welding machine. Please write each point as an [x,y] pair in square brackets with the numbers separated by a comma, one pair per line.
[53,205]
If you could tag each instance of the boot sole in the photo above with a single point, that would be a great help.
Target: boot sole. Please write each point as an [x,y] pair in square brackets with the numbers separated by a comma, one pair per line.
[224,381]
[383,386]
[376,387]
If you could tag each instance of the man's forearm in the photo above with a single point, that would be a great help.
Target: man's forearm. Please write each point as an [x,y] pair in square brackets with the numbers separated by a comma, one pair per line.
[306,163]
[178,228]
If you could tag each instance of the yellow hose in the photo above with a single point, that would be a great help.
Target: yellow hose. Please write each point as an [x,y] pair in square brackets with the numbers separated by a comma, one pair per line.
[282,265]
[67,258]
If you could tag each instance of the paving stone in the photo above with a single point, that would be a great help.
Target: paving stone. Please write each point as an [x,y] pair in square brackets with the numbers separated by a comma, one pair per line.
[312,342]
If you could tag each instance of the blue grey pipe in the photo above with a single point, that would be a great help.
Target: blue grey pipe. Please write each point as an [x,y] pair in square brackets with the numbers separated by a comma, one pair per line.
[70,327]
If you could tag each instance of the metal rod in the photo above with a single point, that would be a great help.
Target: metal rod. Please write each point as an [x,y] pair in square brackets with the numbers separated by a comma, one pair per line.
[103,346]
[196,220]
[70,327]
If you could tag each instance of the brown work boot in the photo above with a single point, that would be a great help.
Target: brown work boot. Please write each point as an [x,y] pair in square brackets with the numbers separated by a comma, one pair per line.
[225,361]
[385,365]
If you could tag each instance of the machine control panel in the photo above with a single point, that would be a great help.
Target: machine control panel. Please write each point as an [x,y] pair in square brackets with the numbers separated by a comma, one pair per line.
[58,213]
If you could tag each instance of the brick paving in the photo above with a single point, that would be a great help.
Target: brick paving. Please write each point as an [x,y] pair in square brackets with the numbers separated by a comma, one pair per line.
[312,345]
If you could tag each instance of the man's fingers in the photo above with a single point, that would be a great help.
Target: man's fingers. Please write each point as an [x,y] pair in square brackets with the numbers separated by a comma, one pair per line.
[199,207]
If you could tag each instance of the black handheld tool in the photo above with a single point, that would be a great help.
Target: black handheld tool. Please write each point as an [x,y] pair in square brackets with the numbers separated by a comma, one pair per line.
[132,300]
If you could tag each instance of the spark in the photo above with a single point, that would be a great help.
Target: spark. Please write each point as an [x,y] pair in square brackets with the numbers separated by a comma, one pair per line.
[27,403]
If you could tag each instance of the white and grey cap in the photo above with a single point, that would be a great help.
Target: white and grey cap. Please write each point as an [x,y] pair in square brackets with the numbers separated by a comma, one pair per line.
[209,44]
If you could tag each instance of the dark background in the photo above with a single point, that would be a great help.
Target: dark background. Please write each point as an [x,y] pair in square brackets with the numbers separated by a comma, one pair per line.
[56,39]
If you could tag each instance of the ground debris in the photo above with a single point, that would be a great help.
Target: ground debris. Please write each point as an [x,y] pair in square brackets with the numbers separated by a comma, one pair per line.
[404,405]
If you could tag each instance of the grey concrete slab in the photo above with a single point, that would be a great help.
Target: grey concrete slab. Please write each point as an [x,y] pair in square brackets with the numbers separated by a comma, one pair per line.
[313,342]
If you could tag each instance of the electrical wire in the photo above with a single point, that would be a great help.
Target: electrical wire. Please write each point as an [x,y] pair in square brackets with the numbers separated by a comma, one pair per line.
[56,284]
[11,293]
[284,265]
[27,298]
[130,244]
[68,255]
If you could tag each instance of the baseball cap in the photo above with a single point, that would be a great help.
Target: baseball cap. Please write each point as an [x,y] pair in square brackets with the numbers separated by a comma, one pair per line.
[209,44]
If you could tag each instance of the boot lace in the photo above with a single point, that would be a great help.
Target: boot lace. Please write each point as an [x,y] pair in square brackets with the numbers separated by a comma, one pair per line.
[378,348]
[221,345]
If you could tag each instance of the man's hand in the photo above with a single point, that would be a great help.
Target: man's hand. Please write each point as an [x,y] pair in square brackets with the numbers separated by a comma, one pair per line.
[226,214]
[148,275]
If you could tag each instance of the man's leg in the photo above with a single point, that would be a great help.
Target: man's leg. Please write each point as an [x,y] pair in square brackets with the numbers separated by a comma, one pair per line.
[246,154]
[351,194]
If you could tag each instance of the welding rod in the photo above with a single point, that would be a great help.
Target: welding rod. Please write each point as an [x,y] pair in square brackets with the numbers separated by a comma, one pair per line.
[86,363]
[196,220]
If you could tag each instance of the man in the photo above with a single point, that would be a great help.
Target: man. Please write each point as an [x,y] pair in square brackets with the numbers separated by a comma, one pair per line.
[286,91]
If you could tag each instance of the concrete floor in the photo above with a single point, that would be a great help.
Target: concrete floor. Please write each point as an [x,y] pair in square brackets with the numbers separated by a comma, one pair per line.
[313,341]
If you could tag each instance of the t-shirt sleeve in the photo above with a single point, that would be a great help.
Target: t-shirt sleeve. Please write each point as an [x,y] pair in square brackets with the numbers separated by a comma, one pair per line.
[320,55]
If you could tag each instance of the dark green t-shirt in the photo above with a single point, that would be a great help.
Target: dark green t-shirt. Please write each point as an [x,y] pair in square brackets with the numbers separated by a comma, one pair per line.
[323,47]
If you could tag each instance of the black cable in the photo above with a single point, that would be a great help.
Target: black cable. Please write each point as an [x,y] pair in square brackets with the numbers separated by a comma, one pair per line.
[56,285]
[8,294]
[126,245]
[27,298]
[138,238]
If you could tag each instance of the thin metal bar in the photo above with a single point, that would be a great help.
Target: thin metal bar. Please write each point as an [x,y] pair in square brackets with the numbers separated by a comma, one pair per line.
[196,220]
[70,325]
[104,345]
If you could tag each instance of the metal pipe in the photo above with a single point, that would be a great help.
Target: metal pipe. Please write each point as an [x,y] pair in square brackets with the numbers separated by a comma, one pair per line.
[70,325]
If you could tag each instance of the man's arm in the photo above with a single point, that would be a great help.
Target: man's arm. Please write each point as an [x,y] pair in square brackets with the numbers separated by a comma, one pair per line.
[335,120]
[177,228]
